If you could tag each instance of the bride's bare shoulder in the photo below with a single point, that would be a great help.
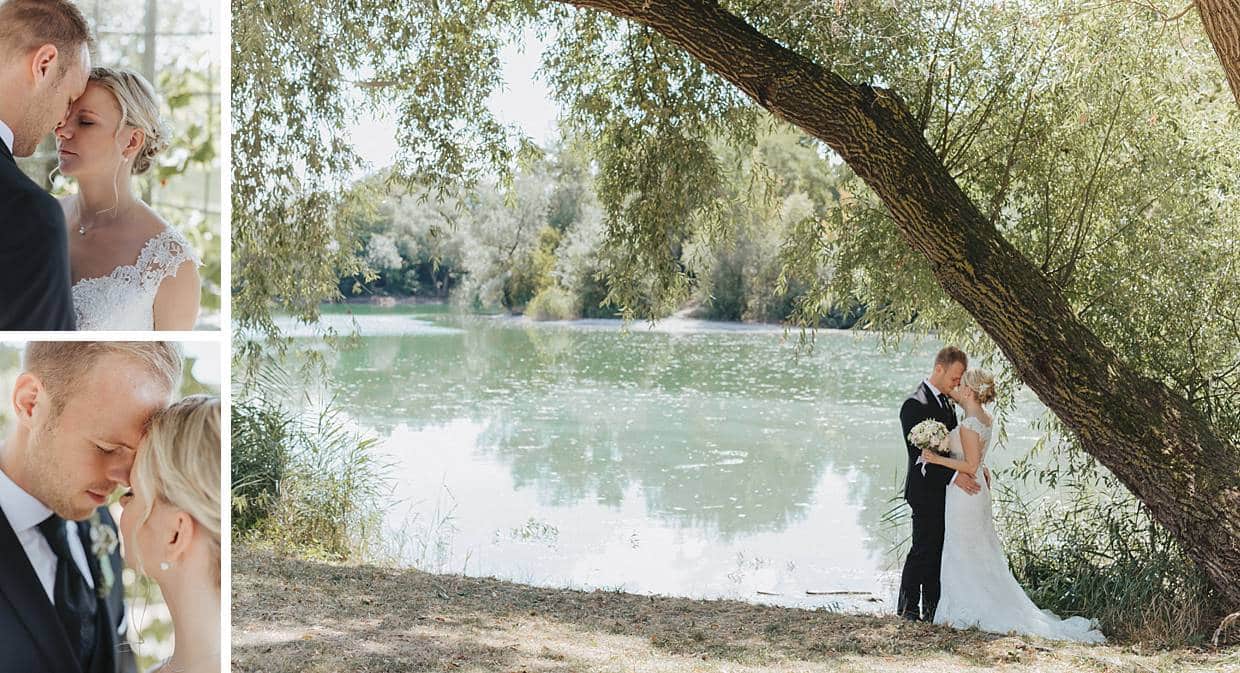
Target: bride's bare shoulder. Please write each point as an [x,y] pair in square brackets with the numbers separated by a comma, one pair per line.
[149,222]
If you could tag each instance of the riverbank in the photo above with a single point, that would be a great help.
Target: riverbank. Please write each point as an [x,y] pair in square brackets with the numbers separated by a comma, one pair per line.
[692,313]
[293,615]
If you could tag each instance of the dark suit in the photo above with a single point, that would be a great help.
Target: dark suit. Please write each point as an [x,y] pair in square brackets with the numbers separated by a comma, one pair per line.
[32,637]
[926,495]
[34,254]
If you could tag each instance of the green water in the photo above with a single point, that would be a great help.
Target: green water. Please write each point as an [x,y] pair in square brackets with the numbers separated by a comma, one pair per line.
[693,459]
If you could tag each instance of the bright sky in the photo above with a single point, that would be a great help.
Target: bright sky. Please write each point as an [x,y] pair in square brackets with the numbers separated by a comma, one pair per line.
[522,101]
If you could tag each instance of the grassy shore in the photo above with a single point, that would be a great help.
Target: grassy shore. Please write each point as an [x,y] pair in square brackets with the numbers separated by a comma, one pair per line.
[293,615]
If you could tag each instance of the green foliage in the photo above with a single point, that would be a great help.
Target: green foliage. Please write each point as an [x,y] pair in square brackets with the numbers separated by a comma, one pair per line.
[530,275]
[260,436]
[299,71]
[1093,550]
[302,481]
[553,303]
[1099,140]
[547,228]
[1091,137]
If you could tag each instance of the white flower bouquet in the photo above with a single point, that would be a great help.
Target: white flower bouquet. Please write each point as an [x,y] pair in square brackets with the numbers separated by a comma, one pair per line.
[930,434]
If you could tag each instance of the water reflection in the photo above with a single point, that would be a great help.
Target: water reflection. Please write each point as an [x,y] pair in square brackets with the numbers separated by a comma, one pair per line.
[687,460]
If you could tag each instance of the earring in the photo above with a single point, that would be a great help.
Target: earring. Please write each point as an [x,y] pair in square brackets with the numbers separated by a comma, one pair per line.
[165,565]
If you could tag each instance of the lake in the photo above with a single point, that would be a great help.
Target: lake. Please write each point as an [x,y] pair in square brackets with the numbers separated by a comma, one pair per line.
[693,459]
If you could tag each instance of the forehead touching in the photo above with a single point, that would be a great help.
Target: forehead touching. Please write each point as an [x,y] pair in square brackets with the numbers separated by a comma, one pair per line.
[98,101]
[70,74]
[114,400]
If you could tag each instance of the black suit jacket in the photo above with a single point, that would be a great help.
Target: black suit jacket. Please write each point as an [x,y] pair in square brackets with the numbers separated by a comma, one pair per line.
[930,489]
[34,254]
[31,635]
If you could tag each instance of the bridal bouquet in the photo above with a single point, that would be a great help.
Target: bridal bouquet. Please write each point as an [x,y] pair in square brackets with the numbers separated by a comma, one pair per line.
[930,434]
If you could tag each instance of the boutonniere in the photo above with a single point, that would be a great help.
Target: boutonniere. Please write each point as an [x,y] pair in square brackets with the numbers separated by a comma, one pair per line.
[102,543]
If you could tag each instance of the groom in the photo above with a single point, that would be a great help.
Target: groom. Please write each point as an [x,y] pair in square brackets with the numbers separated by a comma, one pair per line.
[44,66]
[81,411]
[925,487]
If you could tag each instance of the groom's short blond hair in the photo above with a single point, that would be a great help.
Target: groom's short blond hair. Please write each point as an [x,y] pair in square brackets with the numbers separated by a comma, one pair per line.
[949,356]
[59,364]
[26,25]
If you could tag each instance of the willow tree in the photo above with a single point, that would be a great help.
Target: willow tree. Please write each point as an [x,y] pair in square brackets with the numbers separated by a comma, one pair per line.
[1047,181]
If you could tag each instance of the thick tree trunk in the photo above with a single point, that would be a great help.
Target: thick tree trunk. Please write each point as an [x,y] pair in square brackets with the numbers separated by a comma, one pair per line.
[1151,438]
[1221,19]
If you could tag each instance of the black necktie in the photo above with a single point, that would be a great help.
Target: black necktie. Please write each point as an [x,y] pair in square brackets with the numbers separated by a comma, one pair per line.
[75,602]
[943,401]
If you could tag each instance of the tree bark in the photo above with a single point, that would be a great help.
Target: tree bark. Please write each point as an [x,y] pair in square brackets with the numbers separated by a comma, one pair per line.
[1221,19]
[1152,439]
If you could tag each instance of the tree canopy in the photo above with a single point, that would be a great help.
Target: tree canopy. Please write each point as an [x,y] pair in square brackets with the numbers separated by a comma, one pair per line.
[1051,181]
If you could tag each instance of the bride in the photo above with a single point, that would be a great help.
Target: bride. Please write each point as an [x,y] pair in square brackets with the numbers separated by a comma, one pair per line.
[978,587]
[171,526]
[130,270]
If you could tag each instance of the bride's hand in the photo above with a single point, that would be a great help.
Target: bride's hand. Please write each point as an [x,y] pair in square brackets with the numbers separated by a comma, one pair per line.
[930,456]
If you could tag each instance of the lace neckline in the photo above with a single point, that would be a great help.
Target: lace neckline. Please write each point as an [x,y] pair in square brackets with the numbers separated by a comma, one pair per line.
[144,256]
[980,422]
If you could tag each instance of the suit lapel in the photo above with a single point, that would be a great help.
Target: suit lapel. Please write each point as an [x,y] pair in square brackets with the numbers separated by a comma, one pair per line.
[932,401]
[4,152]
[943,414]
[21,586]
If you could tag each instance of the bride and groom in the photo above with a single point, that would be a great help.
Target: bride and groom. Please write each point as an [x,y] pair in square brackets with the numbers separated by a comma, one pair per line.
[91,417]
[100,259]
[956,572]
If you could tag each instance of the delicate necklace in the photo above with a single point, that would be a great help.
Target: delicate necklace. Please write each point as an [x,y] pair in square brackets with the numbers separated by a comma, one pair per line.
[82,228]
[77,210]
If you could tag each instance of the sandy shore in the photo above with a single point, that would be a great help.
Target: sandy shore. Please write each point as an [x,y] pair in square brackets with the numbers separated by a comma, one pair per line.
[292,615]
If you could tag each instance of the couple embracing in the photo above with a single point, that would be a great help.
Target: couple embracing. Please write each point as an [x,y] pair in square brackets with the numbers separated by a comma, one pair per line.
[90,419]
[99,259]
[957,573]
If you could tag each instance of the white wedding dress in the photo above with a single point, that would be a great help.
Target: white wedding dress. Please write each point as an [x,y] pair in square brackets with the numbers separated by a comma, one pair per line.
[978,587]
[125,298]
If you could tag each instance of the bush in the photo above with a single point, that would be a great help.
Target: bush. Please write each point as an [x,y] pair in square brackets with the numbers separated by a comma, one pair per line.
[304,483]
[530,275]
[1096,552]
[259,458]
[553,303]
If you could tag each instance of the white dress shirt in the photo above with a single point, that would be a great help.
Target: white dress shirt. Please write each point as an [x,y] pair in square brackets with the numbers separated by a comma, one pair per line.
[934,390]
[6,135]
[25,513]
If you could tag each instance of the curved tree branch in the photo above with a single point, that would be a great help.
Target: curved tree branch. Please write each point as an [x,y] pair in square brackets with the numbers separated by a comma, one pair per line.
[1162,449]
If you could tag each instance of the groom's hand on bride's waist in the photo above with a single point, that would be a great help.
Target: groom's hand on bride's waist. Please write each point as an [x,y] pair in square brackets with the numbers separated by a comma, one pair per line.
[967,483]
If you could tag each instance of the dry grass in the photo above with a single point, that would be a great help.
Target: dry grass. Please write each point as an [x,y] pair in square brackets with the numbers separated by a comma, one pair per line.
[292,615]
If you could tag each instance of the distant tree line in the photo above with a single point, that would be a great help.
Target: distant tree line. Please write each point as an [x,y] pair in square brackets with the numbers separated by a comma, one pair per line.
[536,244]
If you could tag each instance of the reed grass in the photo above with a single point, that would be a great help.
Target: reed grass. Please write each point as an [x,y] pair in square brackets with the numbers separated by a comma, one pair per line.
[304,483]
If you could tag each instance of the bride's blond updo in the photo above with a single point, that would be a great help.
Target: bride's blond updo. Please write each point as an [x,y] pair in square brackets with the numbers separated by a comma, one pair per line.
[982,383]
[139,110]
[179,463]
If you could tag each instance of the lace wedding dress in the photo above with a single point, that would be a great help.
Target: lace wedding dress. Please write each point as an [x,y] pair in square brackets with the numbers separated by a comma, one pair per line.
[125,298]
[978,587]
